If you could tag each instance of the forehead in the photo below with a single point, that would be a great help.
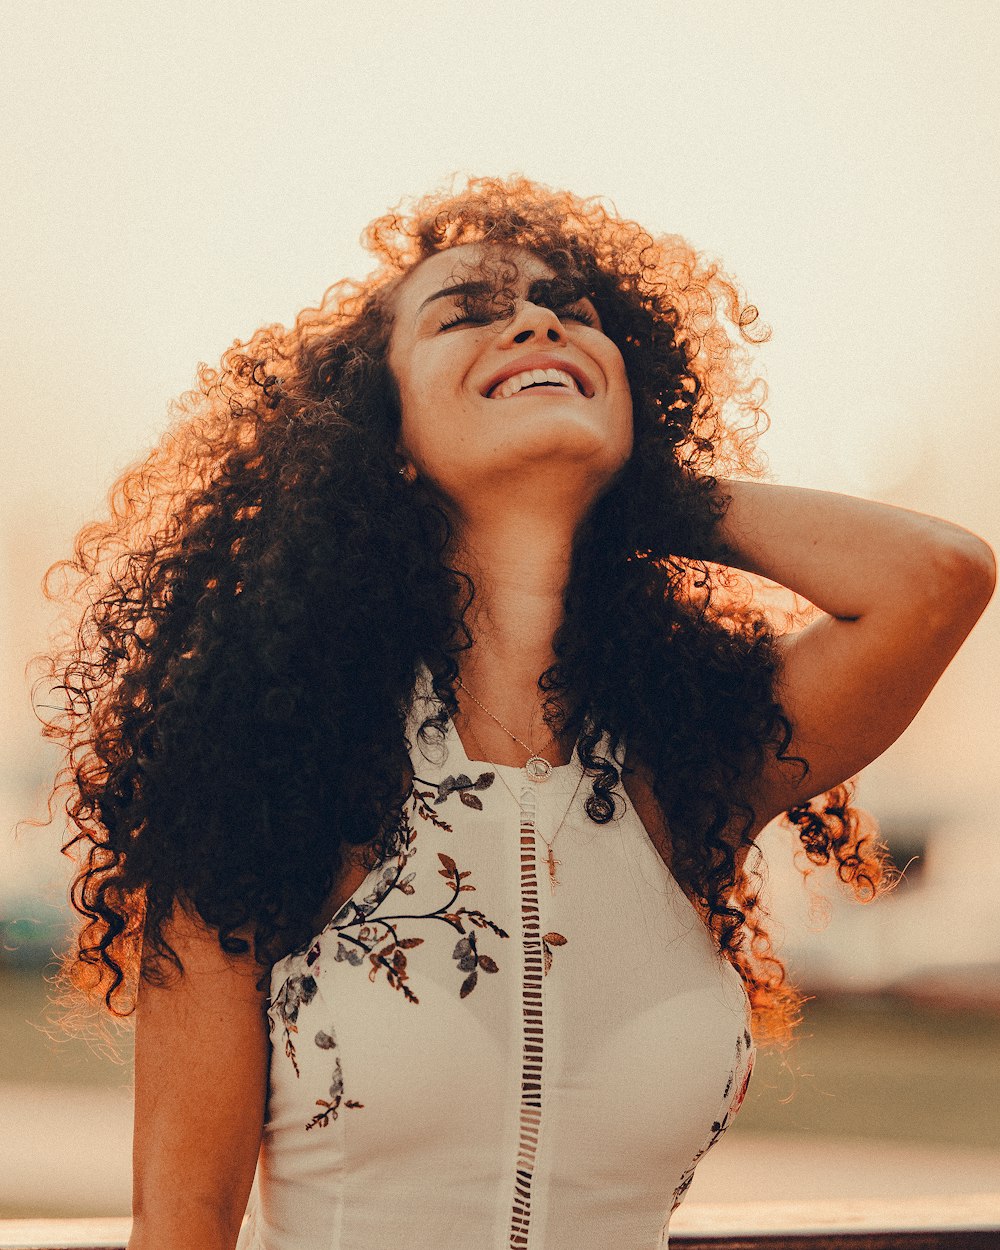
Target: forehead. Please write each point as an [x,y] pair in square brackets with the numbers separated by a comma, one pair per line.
[516,265]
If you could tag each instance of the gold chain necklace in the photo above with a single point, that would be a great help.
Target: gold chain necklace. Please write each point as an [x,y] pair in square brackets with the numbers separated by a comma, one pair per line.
[550,859]
[537,768]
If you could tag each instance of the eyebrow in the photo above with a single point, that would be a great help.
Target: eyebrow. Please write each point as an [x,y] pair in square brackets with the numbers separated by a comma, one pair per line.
[538,288]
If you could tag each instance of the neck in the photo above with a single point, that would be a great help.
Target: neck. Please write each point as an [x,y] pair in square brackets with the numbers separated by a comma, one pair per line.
[520,566]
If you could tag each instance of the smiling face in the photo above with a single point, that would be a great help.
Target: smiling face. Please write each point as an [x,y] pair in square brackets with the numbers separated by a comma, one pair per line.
[507,383]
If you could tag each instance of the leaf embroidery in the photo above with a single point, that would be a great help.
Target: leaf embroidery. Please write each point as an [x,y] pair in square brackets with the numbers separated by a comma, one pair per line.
[376,937]
[744,1044]
[425,811]
[297,991]
[548,941]
[470,961]
[463,783]
[330,1107]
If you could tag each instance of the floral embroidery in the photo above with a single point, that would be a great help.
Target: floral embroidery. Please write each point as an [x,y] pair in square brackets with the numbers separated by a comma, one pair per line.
[296,992]
[362,934]
[548,941]
[737,1102]
[376,937]
[327,1041]
[744,1045]
[470,961]
[461,785]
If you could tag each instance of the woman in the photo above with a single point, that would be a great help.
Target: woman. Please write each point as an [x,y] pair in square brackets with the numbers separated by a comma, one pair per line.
[418,650]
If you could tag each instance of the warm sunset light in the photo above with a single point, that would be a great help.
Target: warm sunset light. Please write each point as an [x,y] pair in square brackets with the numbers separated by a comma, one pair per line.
[178,177]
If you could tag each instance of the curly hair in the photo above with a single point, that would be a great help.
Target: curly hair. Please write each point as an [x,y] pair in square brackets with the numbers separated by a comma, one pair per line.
[246,623]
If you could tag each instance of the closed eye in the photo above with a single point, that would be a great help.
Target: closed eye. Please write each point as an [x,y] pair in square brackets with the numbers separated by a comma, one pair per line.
[574,312]
[577,314]
[462,319]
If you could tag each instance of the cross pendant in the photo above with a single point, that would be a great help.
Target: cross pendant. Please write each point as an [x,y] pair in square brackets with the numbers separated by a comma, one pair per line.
[553,865]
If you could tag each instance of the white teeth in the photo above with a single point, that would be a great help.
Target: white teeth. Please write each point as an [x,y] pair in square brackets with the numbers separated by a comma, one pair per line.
[533,377]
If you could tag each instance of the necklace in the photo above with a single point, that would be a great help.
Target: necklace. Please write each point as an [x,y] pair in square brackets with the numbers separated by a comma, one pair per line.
[551,862]
[537,768]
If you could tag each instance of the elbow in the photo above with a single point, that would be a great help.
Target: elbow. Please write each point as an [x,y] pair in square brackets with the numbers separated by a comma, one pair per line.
[977,570]
[178,1215]
[183,1227]
[988,559]
[963,581]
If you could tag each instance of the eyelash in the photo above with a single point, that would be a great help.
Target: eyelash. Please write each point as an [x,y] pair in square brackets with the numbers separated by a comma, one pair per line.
[578,314]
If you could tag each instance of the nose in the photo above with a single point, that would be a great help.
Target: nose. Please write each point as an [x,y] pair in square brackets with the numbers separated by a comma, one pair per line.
[534,321]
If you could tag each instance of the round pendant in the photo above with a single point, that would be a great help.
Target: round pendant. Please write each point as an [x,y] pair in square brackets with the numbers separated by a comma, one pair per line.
[538,769]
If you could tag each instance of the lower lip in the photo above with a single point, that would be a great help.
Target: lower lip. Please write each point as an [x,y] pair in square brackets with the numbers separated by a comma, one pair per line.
[539,390]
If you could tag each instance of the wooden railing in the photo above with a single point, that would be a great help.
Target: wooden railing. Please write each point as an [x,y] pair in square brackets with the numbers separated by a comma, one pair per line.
[962,1222]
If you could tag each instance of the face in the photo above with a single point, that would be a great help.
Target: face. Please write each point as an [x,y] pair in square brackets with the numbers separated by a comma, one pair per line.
[496,405]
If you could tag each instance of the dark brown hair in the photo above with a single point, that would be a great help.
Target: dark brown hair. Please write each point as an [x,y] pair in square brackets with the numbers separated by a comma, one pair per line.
[249,618]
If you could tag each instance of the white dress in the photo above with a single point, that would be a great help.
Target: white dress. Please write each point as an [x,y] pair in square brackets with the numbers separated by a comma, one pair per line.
[464,1059]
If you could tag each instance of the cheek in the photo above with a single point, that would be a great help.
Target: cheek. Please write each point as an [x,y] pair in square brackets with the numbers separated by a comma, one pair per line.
[434,403]
[432,430]
[415,406]
[416,425]
[421,385]
[621,389]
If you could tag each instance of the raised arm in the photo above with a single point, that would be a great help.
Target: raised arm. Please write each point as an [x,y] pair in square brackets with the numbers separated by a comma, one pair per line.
[201,1058]
[900,592]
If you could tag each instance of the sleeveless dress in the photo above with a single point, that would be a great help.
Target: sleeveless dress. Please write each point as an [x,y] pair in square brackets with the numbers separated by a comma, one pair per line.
[465,1059]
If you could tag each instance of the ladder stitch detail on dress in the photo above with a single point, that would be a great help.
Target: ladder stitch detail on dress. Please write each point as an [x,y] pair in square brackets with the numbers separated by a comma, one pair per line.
[531,1065]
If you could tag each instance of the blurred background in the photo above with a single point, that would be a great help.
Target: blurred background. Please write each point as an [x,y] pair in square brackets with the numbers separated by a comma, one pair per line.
[177,175]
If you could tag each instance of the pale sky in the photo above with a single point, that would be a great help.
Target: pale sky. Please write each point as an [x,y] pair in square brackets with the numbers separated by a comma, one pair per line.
[178,174]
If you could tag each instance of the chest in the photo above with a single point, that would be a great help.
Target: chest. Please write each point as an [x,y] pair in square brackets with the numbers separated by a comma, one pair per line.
[536,1005]
[638,789]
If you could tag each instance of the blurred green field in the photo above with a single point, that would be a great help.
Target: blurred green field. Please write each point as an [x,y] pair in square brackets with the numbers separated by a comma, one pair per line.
[30,1056]
[863,1067]
[882,1068]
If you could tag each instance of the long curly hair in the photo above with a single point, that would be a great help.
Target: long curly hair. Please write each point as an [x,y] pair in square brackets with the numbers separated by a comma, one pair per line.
[246,624]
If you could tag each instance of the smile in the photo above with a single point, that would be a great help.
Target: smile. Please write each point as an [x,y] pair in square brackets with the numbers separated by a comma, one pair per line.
[540,378]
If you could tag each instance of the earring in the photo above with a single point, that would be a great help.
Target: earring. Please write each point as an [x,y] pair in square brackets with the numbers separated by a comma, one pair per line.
[409,472]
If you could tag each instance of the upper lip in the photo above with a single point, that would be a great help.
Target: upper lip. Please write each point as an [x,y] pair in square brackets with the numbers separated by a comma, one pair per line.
[539,360]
